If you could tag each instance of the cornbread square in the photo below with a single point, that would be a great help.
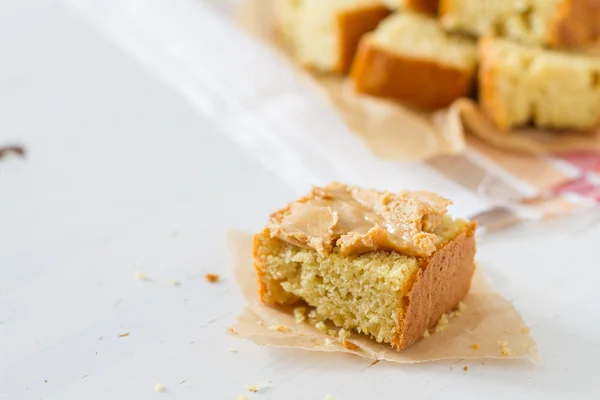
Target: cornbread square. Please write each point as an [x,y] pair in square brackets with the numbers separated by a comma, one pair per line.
[384,264]
[424,6]
[323,35]
[519,85]
[410,58]
[554,23]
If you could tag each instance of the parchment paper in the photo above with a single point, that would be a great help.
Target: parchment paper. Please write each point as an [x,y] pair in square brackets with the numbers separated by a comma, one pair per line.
[397,132]
[487,320]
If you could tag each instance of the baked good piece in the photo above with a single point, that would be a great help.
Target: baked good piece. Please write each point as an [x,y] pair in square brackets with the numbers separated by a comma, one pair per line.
[384,264]
[519,85]
[410,58]
[555,23]
[323,35]
[424,6]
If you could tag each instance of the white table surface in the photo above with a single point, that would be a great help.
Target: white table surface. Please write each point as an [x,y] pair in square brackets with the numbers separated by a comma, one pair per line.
[123,174]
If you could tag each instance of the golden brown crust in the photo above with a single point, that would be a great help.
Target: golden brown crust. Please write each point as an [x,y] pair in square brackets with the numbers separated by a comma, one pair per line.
[424,6]
[425,84]
[575,23]
[443,280]
[488,99]
[352,25]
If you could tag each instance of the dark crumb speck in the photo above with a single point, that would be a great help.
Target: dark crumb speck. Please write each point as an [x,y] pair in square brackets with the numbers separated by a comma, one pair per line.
[16,150]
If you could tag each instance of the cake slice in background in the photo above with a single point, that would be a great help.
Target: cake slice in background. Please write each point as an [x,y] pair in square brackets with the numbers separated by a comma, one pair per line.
[388,265]
[410,58]
[323,35]
[519,85]
[555,23]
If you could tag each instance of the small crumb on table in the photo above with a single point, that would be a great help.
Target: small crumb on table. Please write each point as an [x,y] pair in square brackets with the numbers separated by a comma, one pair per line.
[212,278]
[465,368]
[300,314]
[242,397]
[232,350]
[350,345]
[174,282]
[343,334]
[126,334]
[321,326]
[279,328]
[505,350]
[15,150]
[141,276]
[253,388]
[231,330]
[328,397]
[159,388]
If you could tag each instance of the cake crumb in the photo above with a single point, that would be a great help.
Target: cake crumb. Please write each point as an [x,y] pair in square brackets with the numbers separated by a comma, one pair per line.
[231,330]
[343,334]
[242,397]
[426,333]
[159,388]
[504,347]
[465,368]
[253,387]
[300,314]
[441,324]
[475,346]
[141,276]
[212,278]
[279,328]
[174,282]
[350,345]
[443,320]
[126,334]
[232,350]
[321,326]
[328,397]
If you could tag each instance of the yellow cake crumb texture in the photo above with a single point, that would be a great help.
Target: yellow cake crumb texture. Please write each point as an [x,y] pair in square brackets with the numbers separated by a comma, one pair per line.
[505,350]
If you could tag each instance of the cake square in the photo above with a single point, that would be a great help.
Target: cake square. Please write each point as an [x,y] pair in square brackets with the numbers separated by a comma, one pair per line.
[387,265]
[410,58]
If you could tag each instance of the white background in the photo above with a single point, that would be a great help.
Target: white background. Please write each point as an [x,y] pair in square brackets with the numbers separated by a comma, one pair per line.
[128,172]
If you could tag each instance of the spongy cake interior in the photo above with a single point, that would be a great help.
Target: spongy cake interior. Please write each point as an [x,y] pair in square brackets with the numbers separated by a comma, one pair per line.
[419,36]
[359,292]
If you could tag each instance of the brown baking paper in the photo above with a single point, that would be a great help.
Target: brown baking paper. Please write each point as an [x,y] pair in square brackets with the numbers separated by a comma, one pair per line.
[487,319]
[397,132]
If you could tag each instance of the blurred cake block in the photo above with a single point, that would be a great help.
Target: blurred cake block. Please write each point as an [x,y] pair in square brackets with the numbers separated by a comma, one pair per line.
[410,58]
[323,35]
[519,85]
[556,23]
